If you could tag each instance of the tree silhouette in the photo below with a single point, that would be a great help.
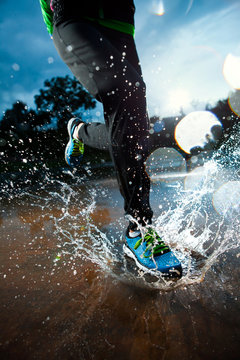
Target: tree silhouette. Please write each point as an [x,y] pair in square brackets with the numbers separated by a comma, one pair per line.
[225,113]
[23,131]
[26,141]
[18,119]
[61,98]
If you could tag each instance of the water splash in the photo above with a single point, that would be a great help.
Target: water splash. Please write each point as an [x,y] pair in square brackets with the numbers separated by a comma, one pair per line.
[86,220]
[197,233]
[200,234]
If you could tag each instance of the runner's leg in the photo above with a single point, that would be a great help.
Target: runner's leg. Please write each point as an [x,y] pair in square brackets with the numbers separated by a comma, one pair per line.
[107,73]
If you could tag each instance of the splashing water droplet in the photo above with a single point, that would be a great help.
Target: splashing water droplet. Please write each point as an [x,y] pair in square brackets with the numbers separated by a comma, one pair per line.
[50,60]
[69,48]
[16,67]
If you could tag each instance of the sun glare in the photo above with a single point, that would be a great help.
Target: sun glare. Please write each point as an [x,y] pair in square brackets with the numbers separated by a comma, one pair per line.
[159,8]
[178,99]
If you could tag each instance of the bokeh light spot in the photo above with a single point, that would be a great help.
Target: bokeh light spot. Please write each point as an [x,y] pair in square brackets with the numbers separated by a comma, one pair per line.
[234,102]
[162,161]
[227,198]
[159,126]
[231,71]
[195,130]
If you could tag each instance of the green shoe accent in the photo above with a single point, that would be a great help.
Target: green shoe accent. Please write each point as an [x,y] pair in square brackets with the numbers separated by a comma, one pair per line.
[154,244]
[77,148]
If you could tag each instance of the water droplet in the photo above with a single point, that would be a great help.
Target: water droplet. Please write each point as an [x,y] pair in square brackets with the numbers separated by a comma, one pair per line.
[50,60]
[69,48]
[16,67]
[3,142]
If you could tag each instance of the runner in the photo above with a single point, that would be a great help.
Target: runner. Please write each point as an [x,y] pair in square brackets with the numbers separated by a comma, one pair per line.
[95,40]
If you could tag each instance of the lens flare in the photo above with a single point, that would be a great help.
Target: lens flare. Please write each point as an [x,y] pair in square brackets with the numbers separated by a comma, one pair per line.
[159,8]
[189,6]
[234,102]
[197,130]
[231,70]
[226,200]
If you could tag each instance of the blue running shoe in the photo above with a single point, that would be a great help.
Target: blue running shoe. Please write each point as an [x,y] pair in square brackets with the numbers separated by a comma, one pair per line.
[75,148]
[152,255]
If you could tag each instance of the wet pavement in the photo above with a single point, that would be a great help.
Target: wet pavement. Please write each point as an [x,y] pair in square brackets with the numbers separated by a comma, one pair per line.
[67,291]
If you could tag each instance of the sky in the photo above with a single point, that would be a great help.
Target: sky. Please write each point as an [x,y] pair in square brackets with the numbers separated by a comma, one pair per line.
[186,49]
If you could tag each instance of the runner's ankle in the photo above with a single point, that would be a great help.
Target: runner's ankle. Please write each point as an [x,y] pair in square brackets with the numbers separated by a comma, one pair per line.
[76,131]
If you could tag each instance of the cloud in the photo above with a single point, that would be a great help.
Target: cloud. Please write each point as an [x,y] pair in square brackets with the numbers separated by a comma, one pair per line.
[20,93]
[179,54]
[190,59]
[25,50]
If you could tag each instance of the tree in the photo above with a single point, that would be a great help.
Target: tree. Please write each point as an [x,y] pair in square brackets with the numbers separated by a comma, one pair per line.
[18,119]
[62,98]
[226,112]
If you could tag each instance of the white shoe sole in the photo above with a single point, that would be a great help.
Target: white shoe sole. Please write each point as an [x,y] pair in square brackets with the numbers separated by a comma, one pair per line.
[129,253]
[69,127]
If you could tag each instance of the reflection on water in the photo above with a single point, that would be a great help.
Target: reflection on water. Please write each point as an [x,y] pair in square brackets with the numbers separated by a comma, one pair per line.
[68,291]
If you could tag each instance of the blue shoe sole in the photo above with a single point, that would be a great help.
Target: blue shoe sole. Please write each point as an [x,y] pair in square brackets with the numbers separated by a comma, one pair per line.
[175,271]
[72,161]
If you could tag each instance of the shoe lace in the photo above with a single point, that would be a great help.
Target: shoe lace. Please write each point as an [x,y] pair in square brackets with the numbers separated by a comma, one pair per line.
[155,245]
[78,147]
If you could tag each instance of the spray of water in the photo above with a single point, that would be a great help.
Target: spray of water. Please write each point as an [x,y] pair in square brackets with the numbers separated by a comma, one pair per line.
[201,224]
[197,229]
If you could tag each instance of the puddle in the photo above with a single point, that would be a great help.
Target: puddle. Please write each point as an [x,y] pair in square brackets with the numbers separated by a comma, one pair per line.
[68,291]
